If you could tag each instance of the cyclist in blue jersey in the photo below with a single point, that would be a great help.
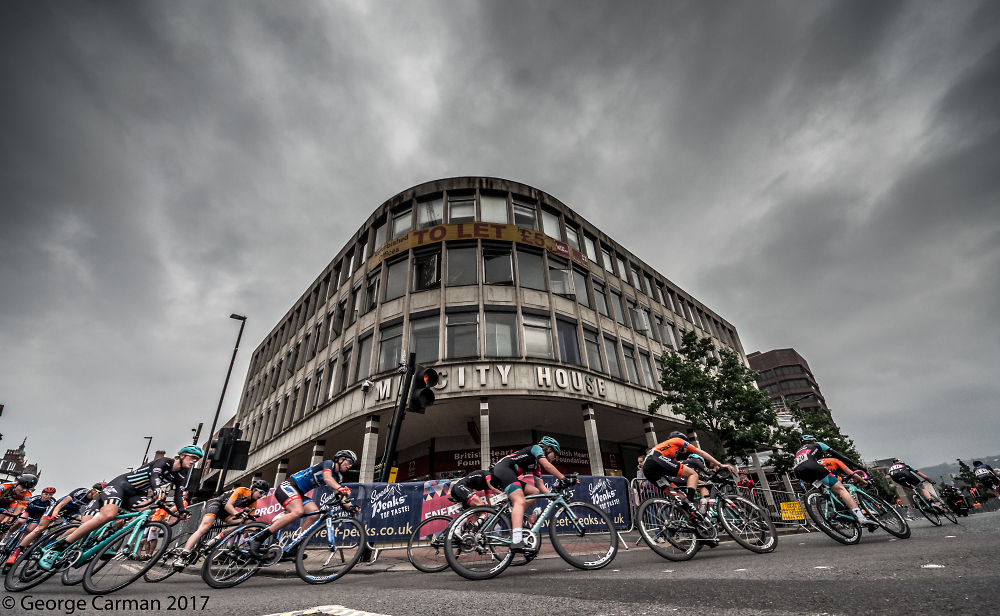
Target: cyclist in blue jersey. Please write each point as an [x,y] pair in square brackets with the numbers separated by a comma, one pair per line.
[291,494]
[987,476]
[506,475]
[133,490]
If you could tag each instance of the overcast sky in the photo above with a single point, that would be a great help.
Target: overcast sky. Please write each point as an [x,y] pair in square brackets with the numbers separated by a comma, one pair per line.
[825,175]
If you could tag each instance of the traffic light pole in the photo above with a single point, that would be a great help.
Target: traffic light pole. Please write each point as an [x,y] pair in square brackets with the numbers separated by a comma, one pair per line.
[397,420]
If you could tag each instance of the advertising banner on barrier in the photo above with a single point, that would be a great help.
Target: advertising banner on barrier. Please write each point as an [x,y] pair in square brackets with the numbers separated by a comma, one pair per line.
[390,511]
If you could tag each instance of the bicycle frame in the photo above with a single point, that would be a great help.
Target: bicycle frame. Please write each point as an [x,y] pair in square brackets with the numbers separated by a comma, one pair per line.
[135,526]
[555,500]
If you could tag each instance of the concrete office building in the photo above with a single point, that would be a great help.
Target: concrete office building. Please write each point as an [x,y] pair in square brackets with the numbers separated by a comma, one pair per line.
[785,377]
[538,323]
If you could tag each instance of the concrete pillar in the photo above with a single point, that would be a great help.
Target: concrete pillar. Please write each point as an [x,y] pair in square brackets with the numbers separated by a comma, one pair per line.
[762,480]
[788,482]
[647,427]
[282,472]
[693,438]
[318,448]
[593,443]
[484,433]
[369,450]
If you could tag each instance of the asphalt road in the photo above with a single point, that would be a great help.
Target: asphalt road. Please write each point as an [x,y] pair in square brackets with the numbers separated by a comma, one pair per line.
[807,574]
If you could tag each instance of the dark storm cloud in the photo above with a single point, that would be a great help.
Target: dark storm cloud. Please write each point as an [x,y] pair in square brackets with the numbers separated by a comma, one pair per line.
[822,175]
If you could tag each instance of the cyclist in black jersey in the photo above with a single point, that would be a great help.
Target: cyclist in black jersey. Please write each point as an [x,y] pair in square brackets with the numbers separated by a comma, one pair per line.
[129,491]
[224,506]
[506,474]
[464,490]
[988,476]
[808,469]
[909,477]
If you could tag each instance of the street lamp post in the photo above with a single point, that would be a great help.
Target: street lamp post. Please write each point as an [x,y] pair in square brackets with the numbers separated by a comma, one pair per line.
[215,420]
[145,456]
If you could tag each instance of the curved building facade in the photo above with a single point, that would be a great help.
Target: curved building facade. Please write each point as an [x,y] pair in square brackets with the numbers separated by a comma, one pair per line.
[537,322]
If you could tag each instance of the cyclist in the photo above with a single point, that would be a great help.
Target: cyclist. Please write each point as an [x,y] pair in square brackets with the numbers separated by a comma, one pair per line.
[291,494]
[909,477]
[661,465]
[506,475]
[243,498]
[693,460]
[808,469]
[34,508]
[987,476]
[67,506]
[463,491]
[837,467]
[14,496]
[130,491]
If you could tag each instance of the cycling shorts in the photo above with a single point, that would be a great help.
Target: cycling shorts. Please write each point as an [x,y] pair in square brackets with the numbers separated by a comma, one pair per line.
[659,469]
[812,471]
[907,479]
[505,477]
[287,492]
[123,494]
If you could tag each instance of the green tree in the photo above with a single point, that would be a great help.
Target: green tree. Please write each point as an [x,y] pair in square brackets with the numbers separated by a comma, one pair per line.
[883,486]
[813,421]
[717,395]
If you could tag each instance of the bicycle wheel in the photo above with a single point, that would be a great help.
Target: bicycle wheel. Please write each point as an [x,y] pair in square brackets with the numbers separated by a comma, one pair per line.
[425,548]
[667,529]
[947,513]
[747,524]
[927,509]
[884,514]
[320,560]
[584,535]
[229,562]
[164,566]
[121,562]
[482,553]
[25,572]
[840,526]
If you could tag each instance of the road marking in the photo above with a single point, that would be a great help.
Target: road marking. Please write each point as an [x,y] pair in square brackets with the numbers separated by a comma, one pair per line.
[616,569]
[949,536]
[668,570]
[893,539]
[823,567]
[739,569]
[932,566]
[334,610]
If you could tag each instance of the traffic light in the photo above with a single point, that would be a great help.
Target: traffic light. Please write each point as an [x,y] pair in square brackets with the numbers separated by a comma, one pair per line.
[215,451]
[219,449]
[421,391]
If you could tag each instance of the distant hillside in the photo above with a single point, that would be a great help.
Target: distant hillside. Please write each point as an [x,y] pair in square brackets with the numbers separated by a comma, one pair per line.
[936,472]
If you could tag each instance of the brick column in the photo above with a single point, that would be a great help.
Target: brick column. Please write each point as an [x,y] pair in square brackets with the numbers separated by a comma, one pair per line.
[484,433]
[647,427]
[593,443]
[318,447]
[369,450]
[282,471]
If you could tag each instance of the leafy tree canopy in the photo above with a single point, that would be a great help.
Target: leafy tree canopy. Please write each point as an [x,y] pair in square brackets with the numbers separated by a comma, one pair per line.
[813,421]
[717,395]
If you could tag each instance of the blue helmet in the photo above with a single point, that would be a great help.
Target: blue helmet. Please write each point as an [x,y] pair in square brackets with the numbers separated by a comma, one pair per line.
[696,457]
[192,450]
[808,438]
[548,441]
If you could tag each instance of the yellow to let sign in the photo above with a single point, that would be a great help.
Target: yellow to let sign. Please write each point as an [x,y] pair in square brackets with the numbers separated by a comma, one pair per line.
[792,511]
[392,474]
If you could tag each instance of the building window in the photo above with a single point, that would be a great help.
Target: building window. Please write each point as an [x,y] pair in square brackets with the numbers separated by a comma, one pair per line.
[659,370]
[561,276]
[462,335]
[633,373]
[529,270]
[608,262]
[318,391]
[331,380]
[424,339]
[427,271]
[600,298]
[430,213]
[660,296]
[572,237]
[390,348]
[632,314]
[593,350]
[580,288]
[401,223]
[647,371]
[345,369]
[371,294]
[649,285]
[611,350]
[666,333]
[501,334]
[783,370]
[550,224]
[462,266]
[795,384]
[348,267]
[537,337]
[588,243]
[647,323]
[497,267]
[395,279]
[461,208]
[524,215]
[337,319]
[569,343]
[380,232]
[622,268]
[637,279]
[494,208]
[355,304]
[364,358]
[618,307]
[672,302]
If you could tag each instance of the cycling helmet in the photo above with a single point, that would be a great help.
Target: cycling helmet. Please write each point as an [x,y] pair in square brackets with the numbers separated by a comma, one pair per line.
[695,456]
[348,454]
[677,434]
[49,490]
[548,441]
[808,438]
[262,485]
[192,450]
[27,481]
[100,485]
[977,463]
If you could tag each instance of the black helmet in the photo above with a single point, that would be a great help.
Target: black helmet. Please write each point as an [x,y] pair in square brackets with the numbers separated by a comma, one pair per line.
[262,485]
[676,434]
[27,480]
[347,454]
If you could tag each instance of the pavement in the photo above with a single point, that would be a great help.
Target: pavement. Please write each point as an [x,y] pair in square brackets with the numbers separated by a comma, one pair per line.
[807,574]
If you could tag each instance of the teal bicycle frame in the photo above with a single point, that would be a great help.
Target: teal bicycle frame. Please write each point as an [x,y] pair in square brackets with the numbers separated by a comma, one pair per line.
[136,528]
[555,499]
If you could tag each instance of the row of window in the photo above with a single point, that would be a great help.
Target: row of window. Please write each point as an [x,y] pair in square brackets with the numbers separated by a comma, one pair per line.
[767,375]
[786,385]
[468,206]
[502,337]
